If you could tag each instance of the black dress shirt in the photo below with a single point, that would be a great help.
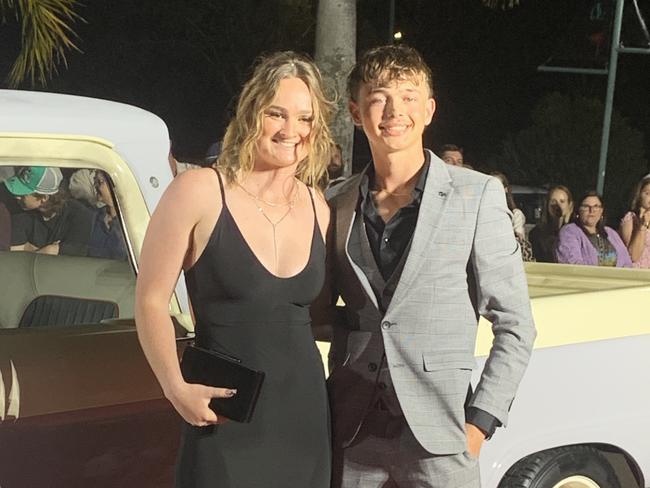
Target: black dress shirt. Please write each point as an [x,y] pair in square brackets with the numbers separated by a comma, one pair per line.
[388,240]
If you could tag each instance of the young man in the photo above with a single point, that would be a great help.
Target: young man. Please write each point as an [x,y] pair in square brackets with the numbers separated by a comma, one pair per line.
[418,250]
[51,222]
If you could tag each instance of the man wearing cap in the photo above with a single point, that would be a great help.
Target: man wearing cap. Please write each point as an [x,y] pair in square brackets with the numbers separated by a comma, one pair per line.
[52,223]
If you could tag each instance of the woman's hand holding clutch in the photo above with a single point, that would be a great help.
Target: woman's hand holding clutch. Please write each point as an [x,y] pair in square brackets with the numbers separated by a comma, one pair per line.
[192,402]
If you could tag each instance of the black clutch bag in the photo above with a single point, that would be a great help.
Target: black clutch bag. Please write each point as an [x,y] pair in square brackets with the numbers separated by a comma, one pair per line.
[212,368]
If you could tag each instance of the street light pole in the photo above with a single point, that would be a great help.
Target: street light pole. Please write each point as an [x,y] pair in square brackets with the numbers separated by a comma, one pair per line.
[609,99]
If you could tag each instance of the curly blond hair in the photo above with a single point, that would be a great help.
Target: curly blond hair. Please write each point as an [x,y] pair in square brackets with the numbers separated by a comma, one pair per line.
[237,156]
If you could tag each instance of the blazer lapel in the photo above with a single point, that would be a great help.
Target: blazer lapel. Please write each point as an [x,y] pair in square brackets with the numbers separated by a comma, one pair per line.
[345,214]
[437,193]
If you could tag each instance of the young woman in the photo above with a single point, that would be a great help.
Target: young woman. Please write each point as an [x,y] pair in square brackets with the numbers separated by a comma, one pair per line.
[558,211]
[588,240]
[249,236]
[635,226]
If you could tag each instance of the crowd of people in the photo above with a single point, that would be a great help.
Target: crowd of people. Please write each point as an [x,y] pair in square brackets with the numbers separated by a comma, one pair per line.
[46,212]
[578,234]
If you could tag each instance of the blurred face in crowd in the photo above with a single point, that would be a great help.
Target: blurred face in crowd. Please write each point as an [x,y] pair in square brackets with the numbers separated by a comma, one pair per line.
[31,201]
[558,203]
[286,126]
[103,191]
[590,211]
[455,158]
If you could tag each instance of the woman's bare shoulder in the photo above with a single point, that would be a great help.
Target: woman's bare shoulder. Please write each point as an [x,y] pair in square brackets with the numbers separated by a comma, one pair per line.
[192,196]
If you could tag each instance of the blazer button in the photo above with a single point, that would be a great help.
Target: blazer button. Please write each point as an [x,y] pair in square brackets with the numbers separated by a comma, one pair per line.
[372,367]
[386,325]
[382,386]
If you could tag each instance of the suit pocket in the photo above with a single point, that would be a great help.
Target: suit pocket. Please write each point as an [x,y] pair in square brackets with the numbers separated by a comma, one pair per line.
[445,360]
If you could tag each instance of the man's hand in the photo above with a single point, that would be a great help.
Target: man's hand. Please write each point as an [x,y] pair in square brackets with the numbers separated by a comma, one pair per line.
[475,438]
[52,249]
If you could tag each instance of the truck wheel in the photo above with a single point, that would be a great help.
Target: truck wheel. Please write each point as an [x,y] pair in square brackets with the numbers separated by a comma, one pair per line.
[562,467]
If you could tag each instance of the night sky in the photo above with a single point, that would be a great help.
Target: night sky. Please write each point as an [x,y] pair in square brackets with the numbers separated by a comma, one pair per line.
[185,61]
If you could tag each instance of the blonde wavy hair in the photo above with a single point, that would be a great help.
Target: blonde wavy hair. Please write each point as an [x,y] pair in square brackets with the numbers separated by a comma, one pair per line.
[239,146]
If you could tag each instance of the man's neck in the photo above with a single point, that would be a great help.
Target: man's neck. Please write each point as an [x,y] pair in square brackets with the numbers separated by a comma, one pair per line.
[394,170]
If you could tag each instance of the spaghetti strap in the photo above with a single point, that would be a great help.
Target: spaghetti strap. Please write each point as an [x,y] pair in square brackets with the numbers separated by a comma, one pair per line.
[223,193]
[313,206]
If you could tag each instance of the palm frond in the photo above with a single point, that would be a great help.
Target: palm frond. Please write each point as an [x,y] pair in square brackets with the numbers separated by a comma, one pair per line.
[46,37]
[502,4]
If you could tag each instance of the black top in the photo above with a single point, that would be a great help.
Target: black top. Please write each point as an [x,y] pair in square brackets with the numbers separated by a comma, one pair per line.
[72,227]
[245,311]
[543,240]
[388,242]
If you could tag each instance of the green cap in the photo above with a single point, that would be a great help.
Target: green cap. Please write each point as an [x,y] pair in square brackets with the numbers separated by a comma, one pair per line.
[35,179]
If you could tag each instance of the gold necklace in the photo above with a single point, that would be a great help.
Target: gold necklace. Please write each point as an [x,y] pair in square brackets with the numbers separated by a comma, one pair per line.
[291,203]
[257,198]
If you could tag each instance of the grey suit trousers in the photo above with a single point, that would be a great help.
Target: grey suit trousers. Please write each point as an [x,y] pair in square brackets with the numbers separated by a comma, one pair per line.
[395,459]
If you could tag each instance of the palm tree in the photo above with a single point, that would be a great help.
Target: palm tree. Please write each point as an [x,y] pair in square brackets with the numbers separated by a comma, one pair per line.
[46,35]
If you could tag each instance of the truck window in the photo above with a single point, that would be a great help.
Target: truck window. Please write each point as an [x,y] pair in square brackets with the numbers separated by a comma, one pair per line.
[67,262]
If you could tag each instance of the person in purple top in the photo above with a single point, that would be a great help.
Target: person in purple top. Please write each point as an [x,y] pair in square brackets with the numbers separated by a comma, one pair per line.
[588,240]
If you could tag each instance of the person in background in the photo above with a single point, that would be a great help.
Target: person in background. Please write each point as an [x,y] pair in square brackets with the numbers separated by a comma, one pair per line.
[452,154]
[52,222]
[518,217]
[249,235]
[558,210]
[212,154]
[588,240]
[107,239]
[635,226]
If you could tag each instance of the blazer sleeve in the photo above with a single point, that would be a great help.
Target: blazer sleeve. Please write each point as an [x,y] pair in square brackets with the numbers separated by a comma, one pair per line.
[502,298]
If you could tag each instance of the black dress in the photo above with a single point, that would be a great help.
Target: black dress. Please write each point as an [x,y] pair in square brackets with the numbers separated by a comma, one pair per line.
[245,311]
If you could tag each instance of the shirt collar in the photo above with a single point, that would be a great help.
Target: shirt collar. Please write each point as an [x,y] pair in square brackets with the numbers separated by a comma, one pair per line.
[369,177]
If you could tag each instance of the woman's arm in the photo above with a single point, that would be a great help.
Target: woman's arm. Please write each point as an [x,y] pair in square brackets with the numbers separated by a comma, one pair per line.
[519,222]
[167,245]
[633,232]
[568,246]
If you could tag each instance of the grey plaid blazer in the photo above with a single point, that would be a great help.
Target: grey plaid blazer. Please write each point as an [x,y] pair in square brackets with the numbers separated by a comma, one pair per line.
[463,262]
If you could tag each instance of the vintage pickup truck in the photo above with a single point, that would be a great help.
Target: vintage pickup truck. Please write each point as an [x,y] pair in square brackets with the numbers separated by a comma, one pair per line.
[79,405]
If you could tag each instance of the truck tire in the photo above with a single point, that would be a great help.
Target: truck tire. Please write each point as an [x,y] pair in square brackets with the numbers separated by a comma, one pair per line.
[562,467]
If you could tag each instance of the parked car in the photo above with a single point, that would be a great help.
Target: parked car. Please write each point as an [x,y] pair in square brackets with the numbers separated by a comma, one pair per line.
[79,406]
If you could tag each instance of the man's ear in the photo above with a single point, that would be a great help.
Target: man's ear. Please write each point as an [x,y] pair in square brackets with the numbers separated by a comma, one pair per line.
[355,112]
[429,111]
